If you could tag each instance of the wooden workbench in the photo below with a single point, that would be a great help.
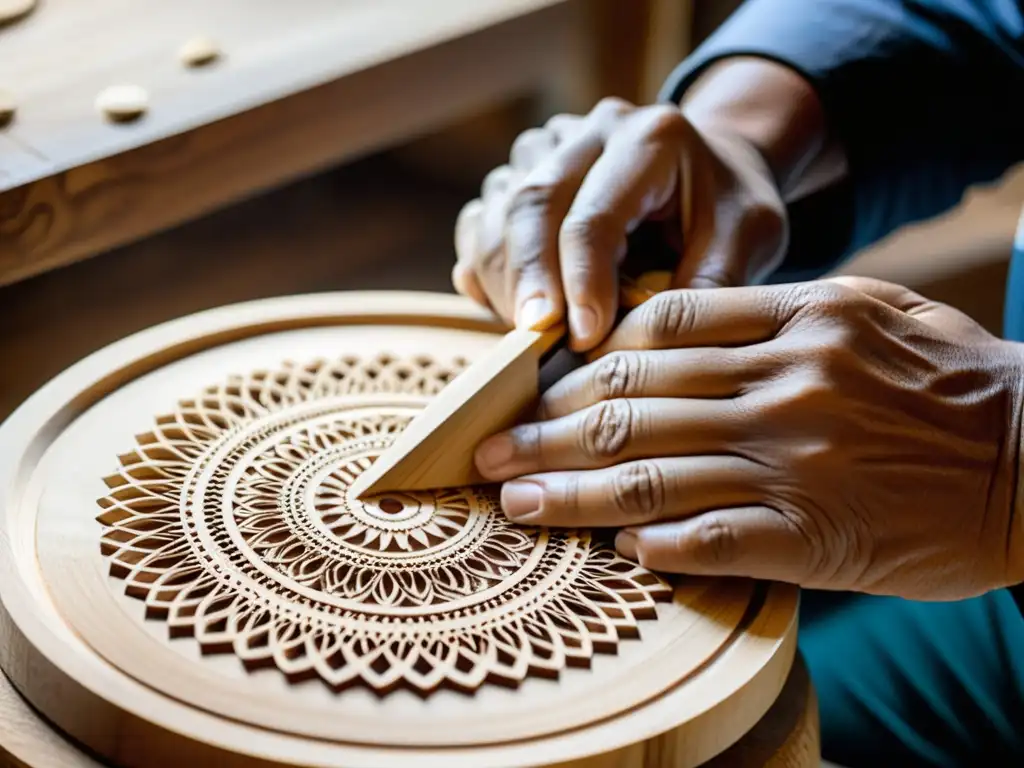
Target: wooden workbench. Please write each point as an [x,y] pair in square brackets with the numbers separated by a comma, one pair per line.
[303,85]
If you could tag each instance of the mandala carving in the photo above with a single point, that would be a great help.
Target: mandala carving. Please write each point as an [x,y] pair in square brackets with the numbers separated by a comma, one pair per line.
[232,520]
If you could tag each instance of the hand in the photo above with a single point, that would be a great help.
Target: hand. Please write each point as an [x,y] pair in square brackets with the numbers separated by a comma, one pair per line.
[551,226]
[846,434]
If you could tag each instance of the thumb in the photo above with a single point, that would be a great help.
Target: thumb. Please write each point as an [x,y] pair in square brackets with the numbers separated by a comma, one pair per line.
[734,231]
[751,542]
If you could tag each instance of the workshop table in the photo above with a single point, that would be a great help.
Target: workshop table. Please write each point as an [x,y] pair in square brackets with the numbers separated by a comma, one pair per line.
[302,85]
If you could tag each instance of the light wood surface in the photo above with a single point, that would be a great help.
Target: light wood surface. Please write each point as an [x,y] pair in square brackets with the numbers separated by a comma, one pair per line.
[299,87]
[77,641]
[436,450]
[27,741]
[788,736]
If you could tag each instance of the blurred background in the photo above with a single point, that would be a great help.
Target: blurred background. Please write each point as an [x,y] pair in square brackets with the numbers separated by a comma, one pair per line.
[116,243]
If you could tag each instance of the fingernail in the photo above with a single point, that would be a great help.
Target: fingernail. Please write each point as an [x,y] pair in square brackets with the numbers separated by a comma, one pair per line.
[536,314]
[582,322]
[625,543]
[520,500]
[493,453]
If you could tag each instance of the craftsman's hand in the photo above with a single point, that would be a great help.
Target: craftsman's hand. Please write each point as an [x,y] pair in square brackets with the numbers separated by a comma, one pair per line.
[845,434]
[550,227]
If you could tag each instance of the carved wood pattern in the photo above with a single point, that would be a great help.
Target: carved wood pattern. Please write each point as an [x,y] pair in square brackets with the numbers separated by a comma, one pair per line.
[232,521]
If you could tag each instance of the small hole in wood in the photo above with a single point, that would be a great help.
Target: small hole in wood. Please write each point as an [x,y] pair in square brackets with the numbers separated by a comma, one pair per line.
[390,506]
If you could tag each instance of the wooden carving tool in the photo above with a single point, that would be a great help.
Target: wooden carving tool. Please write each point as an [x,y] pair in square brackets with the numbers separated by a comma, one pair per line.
[436,449]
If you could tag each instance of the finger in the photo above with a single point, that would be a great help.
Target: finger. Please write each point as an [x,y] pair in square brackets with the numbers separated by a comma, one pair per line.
[752,542]
[635,177]
[681,373]
[564,126]
[467,227]
[466,232]
[695,318]
[535,213]
[491,259]
[609,433]
[466,282]
[631,494]
[497,182]
[530,148]
[731,247]
[733,238]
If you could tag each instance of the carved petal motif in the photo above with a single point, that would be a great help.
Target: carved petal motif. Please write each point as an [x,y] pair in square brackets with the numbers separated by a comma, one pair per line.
[232,521]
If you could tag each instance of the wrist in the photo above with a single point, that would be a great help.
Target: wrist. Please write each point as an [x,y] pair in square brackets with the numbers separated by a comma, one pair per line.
[777,112]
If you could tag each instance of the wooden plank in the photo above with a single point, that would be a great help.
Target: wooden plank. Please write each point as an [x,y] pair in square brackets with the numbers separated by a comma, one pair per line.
[17,160]
[371,224]
[85,210]
[58,59]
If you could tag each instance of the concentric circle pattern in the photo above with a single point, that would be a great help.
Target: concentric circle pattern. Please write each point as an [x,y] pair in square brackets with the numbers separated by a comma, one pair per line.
[232,519]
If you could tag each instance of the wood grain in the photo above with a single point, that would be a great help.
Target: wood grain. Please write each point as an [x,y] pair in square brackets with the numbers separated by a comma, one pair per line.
[28,741]
[436,449]
[63,56]
[788,736]
[339,85]
[704,673]
[333,231]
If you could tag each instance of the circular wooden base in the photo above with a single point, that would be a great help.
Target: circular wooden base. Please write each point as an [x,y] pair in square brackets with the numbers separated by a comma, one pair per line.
[188,577]
[786,737]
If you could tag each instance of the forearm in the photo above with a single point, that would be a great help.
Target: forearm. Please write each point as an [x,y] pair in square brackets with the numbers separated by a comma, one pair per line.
[872,113]
[778,112]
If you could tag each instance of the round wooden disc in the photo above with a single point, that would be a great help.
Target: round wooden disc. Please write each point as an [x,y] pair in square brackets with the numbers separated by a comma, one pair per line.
[187,578]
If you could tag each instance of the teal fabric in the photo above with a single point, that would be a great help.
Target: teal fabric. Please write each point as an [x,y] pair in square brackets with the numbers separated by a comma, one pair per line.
[910,684]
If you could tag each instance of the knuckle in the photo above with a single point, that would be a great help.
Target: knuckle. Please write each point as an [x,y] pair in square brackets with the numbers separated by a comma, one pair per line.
[638,490]
[527,440]
[827,299]
[561,124]
[669,317]
[606,429]
[663,122]
[617,375]
[533,199]
[570,491]
[800,400]
[492,259]
[528,140]
[592,234]
[612,106]
[809,394]
[812,457]
[835,357]
[590,227]
[496,180]
[715,542]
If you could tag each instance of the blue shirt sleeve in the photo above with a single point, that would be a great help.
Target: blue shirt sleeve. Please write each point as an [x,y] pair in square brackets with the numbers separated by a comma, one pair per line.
[927,98]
